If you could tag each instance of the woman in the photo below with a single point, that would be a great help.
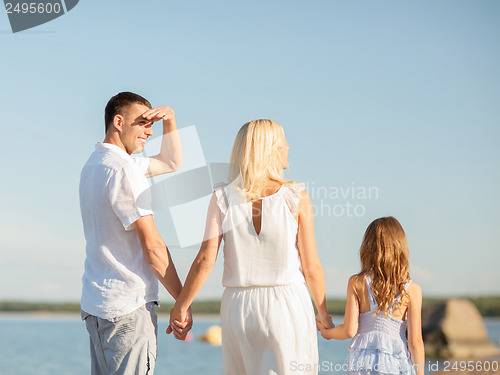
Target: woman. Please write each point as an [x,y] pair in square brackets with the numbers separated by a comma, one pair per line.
[268,323]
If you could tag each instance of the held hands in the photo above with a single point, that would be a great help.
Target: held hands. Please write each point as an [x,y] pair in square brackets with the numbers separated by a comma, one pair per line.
[180,322]
[164,113]
[323,324]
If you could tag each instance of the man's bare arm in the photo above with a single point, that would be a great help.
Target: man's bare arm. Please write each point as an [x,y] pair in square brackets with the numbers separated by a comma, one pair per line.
[170,157]
[157,255]
[159,261]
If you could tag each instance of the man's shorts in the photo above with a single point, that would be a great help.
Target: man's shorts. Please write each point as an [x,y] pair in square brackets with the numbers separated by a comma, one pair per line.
[125,345]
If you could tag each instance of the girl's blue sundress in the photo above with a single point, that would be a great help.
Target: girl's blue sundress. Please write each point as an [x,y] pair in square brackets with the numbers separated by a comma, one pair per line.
[380,345]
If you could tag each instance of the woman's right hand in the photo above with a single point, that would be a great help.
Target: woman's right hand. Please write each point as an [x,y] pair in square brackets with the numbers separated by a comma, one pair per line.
[323,326]
[324,322]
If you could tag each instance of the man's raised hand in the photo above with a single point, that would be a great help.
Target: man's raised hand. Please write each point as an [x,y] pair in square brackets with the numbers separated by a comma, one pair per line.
[164,113]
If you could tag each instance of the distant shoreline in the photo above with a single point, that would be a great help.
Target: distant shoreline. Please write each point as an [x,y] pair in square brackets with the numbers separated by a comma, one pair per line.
[487,306]
[60,315]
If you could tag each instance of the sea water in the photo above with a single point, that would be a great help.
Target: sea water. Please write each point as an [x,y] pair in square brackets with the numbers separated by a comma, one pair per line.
[59,345]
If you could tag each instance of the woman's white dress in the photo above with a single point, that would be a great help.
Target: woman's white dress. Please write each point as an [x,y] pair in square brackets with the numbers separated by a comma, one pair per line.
[267,318]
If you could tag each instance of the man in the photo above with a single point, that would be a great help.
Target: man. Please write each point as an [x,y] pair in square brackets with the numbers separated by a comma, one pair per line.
[125,255]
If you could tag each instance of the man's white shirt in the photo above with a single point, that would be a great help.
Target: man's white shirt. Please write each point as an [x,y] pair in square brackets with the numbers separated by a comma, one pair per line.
[117,280]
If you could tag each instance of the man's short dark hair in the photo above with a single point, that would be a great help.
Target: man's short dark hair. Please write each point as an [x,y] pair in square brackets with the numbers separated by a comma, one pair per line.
[120,101]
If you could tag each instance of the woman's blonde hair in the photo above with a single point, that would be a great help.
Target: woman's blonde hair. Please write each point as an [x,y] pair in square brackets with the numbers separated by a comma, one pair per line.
[384,253]
[256,156]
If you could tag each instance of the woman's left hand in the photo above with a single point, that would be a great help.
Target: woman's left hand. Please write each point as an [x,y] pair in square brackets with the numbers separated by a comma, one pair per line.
[181,322]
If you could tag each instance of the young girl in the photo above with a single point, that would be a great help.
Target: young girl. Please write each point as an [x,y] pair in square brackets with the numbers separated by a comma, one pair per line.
[382,302]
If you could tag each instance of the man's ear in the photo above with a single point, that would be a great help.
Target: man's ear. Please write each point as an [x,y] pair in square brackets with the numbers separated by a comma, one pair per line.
[118,122]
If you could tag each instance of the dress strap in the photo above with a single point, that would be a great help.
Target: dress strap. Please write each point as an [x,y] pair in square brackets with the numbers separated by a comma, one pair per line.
[221,193]
[292,196]
[228,196]
[407,285]
[398,298]
[371,296]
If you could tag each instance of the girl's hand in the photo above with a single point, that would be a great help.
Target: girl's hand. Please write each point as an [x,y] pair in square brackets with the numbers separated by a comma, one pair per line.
[324,329]
[324,334]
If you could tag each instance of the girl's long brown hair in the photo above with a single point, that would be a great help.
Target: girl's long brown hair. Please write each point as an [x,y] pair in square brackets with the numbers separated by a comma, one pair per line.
[384,253]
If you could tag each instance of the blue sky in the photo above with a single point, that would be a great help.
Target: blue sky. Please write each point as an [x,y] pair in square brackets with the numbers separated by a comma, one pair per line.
[398,96]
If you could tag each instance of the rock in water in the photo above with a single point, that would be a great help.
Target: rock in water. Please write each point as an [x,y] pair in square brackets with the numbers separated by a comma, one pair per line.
[455,329]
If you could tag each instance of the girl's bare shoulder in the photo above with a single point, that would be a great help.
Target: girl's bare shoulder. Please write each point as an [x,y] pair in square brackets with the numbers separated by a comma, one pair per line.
[357,282]
[414,291]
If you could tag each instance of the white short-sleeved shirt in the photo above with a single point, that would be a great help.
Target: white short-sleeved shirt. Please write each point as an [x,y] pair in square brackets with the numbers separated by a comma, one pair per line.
[117,279]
